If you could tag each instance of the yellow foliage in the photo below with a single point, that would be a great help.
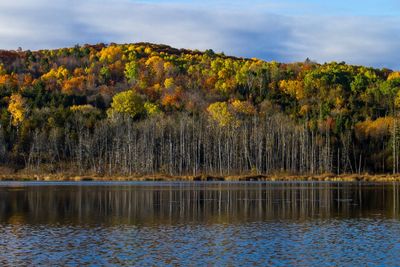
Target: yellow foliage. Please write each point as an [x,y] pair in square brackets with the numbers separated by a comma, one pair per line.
[223,74]
[397,100]
[220,113]
[157,87]
[132,48]
[243,107]
[339,101]
[151,109]
[128,102]
[374,129]
[17,109]
[156,68]
[168,66]
[139,49]
[393,75]
[110,54]
[169,82]
[225,86]
[83,108]
[304,110]
[293,88]
[2,70]
[61,73]
[154,60]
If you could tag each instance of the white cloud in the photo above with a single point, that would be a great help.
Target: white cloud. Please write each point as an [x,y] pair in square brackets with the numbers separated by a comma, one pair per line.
[358,40]
[237,31]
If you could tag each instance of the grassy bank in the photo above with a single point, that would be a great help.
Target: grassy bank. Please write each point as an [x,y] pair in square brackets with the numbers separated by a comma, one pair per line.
[9,175]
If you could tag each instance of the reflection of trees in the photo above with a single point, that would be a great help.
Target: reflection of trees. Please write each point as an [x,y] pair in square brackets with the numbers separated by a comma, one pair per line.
[395,201]
[208,203]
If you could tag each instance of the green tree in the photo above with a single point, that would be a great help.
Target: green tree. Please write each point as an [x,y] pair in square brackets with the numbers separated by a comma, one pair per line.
[131,71]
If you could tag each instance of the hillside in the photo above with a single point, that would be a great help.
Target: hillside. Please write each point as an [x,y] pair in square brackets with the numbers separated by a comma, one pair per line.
[140,109]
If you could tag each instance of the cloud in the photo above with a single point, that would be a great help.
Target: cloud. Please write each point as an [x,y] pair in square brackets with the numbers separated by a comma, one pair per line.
[242,31]
[369,41]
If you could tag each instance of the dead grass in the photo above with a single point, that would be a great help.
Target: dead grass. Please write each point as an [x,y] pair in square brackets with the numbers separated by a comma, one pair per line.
[8,174]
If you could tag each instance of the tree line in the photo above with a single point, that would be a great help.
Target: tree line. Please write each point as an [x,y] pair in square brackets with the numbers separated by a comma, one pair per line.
[145,109]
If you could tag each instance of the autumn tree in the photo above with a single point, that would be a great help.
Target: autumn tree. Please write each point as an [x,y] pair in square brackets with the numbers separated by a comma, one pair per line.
[243,107]
[110,54]
[17,109]
[2,70]
[129,103]
[131,71]
[220,113]
[299,117]
[151,109]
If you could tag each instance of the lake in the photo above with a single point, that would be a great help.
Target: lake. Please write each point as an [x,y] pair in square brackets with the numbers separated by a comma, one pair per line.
[199,224]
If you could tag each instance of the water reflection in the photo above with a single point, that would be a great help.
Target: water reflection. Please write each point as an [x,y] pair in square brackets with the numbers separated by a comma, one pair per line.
[174,203]
[199,224]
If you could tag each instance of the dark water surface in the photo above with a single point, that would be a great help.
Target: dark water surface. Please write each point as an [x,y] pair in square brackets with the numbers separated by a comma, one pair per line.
[199,224]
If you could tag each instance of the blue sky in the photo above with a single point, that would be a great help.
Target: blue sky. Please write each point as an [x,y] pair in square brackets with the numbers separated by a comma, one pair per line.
[358,32]
[301,7]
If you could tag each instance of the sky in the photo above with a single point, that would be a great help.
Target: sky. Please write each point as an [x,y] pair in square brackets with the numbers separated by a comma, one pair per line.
[361,32]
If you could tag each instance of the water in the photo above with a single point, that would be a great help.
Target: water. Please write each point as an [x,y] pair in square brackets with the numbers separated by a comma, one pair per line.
[199,224]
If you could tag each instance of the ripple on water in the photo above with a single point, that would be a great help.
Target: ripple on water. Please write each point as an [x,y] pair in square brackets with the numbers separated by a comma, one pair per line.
[319,243]
[213,224]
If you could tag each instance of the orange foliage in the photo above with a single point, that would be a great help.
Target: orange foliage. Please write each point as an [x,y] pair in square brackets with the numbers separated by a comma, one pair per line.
[74,85]
[27,80]
[172,99]
[210,82]
[8,80]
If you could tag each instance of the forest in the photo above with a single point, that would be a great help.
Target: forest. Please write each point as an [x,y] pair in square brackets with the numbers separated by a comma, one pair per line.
[138,109]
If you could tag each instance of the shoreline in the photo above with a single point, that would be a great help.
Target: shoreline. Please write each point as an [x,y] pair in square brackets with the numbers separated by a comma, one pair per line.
[190,178]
